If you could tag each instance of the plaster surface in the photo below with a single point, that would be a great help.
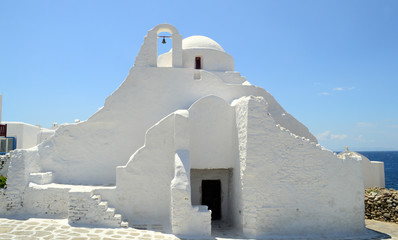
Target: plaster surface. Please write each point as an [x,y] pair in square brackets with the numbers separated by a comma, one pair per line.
[373,171]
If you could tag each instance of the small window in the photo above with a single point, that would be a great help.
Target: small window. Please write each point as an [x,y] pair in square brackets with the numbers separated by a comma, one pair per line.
[3,145]
[3,130]
[7,144]
[198,63]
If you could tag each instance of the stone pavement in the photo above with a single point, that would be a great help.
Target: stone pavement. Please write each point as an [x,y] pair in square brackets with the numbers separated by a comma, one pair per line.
[41,229]
[390,229]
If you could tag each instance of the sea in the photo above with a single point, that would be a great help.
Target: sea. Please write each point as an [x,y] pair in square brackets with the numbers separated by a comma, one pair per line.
[390,159]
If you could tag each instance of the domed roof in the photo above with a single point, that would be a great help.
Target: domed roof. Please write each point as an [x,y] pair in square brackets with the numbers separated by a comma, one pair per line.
[202,42]
[349,153]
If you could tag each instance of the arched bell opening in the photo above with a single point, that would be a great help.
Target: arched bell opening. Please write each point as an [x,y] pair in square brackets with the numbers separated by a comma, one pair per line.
[170,35]
[148,55]
[164,44]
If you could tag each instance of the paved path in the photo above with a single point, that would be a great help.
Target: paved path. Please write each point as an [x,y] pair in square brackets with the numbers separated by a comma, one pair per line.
[41,229]
[390,229]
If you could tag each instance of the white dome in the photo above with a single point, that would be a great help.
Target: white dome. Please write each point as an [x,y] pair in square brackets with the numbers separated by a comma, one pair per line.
[349,153]
[202,42]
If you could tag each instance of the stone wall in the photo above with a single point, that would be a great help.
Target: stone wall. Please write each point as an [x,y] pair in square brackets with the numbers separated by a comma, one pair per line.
[45,201]
[4,163]
[3,201]
[381,204]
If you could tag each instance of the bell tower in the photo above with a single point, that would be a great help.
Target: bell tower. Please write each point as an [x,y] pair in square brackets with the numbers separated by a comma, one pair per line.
[148,54]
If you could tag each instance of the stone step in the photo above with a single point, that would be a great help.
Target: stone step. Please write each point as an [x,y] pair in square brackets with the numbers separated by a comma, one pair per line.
[103,205]
[124,224]
[83,202]
[110,210]
[97,198]
[109,213]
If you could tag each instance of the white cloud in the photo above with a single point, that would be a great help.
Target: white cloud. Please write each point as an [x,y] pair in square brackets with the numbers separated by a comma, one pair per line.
[324,94]
[338,136]
[324,135]
[338,89]
[343,88]
[327,135]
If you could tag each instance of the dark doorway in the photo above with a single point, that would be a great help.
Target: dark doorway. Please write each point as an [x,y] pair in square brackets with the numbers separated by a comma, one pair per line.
[211,196]
[198,63]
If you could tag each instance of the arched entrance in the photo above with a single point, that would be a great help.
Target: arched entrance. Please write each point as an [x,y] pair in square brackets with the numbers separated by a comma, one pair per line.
[211,187]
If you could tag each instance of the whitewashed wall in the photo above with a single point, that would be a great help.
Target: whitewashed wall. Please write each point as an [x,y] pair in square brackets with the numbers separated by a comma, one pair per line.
[224,175]
[213,138]
[211,60]
[80,153]
[290,186]
[149,172]
[25,134]
[373,173]
[143,185]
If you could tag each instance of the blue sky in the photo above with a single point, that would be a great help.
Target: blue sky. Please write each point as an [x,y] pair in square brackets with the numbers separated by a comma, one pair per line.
[331,64]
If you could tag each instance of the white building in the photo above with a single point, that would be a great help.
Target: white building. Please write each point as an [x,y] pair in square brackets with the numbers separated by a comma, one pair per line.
[185,131]
[26,135]
[373,171]
[19,135]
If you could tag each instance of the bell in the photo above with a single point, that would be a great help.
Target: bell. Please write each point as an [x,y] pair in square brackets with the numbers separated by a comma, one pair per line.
[164,40]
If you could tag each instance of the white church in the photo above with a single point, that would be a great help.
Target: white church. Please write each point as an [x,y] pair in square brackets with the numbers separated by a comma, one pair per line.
[184,142]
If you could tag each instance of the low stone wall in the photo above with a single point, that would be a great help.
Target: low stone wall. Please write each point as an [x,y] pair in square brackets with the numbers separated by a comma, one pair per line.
[44,201]
[4,163]
[381,204]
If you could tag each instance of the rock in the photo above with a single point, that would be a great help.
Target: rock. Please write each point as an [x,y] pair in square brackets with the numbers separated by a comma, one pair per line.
[381,204]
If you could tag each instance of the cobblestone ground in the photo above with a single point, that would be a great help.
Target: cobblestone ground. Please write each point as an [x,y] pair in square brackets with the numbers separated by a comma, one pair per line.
[35,228]
[38,228]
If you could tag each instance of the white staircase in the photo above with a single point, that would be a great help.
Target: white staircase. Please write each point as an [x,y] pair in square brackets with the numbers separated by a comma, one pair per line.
[85,208]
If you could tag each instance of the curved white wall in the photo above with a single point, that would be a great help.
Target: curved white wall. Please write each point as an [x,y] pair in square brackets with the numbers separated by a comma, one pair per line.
[213,137]
[165,60]
[212,60]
